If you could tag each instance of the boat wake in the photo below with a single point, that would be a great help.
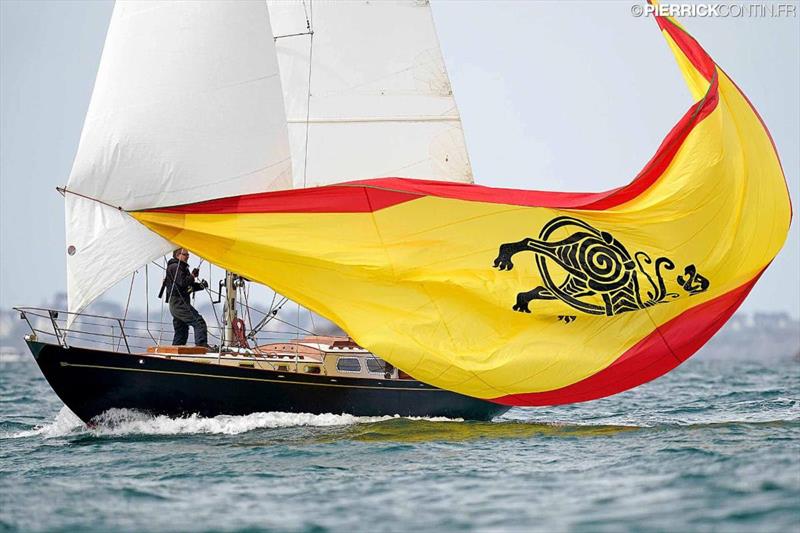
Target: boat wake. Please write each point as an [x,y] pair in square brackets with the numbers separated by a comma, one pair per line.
[517,424]
[120,422]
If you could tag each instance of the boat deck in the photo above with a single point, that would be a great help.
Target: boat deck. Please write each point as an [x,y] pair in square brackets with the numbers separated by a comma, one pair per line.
[329,356]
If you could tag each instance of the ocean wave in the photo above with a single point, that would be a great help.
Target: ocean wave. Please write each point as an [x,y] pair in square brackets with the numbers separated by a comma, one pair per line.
[12,357]
[121,422]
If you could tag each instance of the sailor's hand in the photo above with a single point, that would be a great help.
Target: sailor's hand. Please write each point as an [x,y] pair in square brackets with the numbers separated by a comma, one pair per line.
[195,272]
[204,283]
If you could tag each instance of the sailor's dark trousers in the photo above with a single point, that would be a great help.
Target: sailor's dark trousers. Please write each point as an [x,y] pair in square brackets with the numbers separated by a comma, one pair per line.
[183,316]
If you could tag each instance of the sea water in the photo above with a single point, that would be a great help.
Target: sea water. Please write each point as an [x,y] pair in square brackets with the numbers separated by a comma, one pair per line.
[714,446]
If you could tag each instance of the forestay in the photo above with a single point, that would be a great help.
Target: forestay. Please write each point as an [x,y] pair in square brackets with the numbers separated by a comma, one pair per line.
[367,93]
[187,106]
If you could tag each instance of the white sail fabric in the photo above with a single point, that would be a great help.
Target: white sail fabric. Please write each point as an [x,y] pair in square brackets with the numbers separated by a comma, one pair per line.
[187,106]
[380,102]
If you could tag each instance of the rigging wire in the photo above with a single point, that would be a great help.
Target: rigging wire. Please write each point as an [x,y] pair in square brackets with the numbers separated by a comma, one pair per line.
[246,297]
[211,299]
[147,302]
[308,97]
[64,191]
[163,303]
[246,293]
[241,297]
[296,327]
[214,309]
[313,325]
[299,34]
[267,317]
[127,306]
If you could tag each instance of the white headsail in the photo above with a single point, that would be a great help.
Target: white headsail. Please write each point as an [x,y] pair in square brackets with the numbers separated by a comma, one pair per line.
[187,106]
[191,103]
[379,101]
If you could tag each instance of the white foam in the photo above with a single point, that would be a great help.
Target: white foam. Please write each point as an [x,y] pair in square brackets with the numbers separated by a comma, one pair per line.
[127,422]
[116,422]
[65,423]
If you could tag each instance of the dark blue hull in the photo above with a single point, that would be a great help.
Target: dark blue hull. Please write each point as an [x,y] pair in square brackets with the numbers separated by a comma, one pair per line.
[90,382]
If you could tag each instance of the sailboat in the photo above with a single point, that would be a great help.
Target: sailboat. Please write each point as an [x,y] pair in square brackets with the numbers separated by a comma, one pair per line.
[285,142]
[209,99]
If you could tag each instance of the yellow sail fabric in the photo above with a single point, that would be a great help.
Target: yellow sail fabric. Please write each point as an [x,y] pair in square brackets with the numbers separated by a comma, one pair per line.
[525,297]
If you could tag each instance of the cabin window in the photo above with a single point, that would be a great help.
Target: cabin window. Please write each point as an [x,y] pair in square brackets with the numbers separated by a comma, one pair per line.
[376,366]
[348,364]
[313,369]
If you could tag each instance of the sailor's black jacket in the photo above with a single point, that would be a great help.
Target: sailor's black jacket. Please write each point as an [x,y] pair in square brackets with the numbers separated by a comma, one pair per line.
[178,282]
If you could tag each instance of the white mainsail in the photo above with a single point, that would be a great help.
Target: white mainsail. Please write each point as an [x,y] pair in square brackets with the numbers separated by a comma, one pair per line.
[379,103]
[191,103]
[187,106]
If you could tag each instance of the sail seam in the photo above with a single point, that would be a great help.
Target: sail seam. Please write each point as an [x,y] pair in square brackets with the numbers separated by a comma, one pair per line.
[423,118]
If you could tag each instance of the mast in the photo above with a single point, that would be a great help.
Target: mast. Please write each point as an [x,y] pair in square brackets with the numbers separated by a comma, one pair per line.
[230,308]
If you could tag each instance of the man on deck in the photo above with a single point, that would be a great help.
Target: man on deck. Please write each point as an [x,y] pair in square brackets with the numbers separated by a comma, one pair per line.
[179,283]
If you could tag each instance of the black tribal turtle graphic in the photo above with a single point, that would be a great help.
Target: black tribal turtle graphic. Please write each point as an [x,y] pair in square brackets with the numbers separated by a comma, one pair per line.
[595,263]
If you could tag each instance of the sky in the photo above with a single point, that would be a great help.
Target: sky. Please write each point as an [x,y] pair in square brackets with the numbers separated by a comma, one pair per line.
[571,96]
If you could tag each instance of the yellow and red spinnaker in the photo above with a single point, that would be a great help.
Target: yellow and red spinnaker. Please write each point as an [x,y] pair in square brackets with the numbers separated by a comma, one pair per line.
[526,297]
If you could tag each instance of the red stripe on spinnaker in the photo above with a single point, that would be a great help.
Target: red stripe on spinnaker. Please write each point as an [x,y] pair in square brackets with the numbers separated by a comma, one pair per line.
[329,199]
[689,46]
[664,349]
[374,194]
